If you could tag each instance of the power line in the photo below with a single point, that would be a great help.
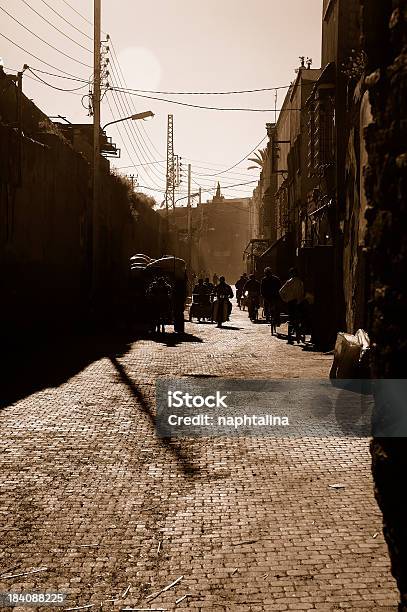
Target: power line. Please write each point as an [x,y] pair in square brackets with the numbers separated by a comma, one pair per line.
[237,163]
[54,86]
[35,56]
[131,140]
[123,80]
[204,190]
[131,92]
[43,40]
[66,20]
[80,15]
[150,188]
[135,127]
[69,91]
[37,81]
[141,154]
[119,130]
[210,93]
[213,165]
[161,161]
[225,177]
[232,175]
[77,12]
[55,27]
[61,76]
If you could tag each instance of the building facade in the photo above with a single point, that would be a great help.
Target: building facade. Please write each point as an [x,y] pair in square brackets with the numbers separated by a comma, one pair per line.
[310,193]
[219,232]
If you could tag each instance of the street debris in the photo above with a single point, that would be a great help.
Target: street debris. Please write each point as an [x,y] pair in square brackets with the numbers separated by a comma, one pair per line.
[234,571]
[265,576]
[337,486]
[169,586]
[80,607]
[374,536]
[125,593]
[159,547]
[178,601]
[10,569]
[86,546]
[42,569]
[144,610]
[244,542]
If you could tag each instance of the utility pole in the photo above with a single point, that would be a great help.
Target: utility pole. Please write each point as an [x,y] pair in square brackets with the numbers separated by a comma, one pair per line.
[171,178]
[20,127]
[189,219]
[133,179]
[97,10]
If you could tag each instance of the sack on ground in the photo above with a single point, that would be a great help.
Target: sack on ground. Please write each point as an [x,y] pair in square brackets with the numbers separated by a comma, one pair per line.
[350,355]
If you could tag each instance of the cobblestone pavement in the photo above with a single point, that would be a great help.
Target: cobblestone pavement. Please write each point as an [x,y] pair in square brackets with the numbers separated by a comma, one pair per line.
[89,492]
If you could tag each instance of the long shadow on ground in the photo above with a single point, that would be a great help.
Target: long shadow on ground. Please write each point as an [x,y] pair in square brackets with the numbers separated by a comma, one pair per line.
[171,446]
[36,364]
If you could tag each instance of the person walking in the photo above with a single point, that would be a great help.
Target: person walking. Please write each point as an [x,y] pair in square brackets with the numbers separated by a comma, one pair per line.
[292,293]
[252,288]
[180,292]
[269,288]
[240,283]
[159,294]
[215,279]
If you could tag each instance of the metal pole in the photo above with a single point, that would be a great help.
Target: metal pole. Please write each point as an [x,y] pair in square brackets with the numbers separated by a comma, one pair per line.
[199,256]
[189,218]
[96,142]
[20,127]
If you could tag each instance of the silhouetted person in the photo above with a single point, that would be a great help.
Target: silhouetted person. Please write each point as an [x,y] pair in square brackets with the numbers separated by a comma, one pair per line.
[292,292]
[160,297]
[240,283]
[270,287]
[252,288]
[179,298]
[222,305]
[199,288]
[209,287]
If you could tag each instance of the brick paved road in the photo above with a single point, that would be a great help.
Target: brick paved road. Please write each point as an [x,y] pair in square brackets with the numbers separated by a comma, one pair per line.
[90,493]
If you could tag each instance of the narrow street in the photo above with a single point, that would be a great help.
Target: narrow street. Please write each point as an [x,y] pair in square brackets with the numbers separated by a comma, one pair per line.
[91,494]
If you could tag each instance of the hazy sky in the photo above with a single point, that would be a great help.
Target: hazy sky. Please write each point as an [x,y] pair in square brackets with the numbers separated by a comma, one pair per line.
[172,45]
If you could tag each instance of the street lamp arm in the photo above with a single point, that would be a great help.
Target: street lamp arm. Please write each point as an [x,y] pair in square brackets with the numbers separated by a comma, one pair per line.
[116,121]
[135,117]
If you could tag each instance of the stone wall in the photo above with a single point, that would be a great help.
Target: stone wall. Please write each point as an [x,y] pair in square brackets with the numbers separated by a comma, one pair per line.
[45,225]
[384,27]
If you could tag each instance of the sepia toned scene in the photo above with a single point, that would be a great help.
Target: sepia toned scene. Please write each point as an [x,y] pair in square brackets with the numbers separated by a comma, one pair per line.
[203,264]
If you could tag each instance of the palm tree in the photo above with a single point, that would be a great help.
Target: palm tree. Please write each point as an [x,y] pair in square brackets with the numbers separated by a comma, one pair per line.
[259,159]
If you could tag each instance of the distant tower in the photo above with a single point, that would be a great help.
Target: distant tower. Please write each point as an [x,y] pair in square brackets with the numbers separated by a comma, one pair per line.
[218,197]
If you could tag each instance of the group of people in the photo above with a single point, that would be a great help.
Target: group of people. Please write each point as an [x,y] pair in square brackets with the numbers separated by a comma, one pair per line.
[217,295]
[167,300]
[250,292]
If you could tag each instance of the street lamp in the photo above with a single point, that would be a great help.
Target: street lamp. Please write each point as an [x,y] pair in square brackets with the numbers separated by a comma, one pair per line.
[143,115]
